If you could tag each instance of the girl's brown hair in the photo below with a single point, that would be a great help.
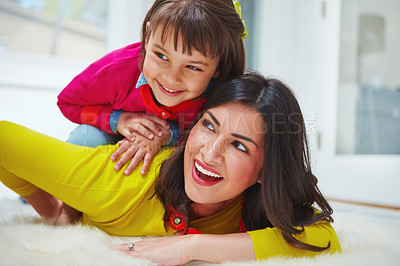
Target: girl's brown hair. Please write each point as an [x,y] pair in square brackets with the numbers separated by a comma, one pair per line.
[288,190]
[211,27]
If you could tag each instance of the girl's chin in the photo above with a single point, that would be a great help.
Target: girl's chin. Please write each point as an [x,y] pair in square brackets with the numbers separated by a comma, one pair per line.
[167,102]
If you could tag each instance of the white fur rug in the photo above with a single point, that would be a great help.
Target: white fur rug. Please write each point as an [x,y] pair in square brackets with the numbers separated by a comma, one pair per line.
[368,236]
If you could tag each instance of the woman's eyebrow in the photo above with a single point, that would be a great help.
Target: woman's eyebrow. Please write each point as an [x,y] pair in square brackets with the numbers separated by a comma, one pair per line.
[213,118]
[233,134]
[245,138]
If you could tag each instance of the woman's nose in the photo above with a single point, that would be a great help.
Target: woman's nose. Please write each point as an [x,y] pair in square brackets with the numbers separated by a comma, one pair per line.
[213,152]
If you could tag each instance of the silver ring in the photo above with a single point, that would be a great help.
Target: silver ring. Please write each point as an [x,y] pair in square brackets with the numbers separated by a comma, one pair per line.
[131,245]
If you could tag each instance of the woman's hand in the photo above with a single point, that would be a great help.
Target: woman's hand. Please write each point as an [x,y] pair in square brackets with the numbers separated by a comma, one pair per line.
[132,124]
[175,250]
[171,250]
[140,149]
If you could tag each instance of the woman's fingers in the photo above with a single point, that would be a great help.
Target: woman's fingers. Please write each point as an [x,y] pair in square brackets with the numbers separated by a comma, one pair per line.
[137,158]
[130,152]
[146,162]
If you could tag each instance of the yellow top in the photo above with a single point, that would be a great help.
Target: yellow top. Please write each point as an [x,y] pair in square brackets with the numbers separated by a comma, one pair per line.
[85,179]
[269,242]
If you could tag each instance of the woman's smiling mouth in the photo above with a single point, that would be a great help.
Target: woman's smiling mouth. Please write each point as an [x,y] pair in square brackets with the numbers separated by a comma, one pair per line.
[203,176]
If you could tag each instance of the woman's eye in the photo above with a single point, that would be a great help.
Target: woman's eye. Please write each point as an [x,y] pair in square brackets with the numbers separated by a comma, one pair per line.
[207,125]
[193,68]
[160,55]
[240,146]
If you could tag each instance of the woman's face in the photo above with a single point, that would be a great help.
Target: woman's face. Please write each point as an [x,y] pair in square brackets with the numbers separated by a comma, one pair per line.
[223,155]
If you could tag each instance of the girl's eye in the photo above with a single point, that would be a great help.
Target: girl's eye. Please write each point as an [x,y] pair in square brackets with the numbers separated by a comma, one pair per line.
[207,125]
[240,146]
[160,55]
[193,68]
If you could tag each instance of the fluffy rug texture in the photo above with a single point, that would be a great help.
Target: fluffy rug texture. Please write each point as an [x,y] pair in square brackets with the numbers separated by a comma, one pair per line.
[368,236]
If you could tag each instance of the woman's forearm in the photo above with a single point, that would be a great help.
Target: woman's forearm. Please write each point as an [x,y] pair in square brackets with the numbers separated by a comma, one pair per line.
[177,250]
[222,248]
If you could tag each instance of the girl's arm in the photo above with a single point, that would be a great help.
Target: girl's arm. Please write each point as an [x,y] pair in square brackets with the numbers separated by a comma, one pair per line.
[90,97]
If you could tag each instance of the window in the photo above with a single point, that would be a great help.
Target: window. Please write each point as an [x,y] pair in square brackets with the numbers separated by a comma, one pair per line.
[369,82]
[64,28]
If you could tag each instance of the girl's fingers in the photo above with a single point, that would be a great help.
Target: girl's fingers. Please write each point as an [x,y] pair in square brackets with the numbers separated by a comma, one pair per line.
[144,131]
[152,126]
[160,121]
[127,133]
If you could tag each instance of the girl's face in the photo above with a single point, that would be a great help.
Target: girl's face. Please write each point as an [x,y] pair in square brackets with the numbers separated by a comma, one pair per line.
[223,156]
[174,76]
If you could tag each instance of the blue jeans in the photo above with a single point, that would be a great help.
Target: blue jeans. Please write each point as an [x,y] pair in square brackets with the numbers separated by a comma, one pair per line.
[90,136]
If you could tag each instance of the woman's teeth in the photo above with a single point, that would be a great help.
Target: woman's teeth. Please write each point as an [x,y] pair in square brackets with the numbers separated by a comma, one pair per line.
[204,171]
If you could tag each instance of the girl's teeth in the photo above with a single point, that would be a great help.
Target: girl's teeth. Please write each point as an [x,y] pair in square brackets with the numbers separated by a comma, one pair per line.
[169,89]
[204,171]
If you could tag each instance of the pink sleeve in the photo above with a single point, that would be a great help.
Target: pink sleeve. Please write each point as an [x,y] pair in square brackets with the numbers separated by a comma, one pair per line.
[89,98]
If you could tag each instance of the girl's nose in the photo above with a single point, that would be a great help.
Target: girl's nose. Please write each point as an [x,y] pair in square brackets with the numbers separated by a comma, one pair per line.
[173,76]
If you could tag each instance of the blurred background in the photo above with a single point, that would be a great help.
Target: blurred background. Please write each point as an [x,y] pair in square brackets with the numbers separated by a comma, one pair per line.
[341,58]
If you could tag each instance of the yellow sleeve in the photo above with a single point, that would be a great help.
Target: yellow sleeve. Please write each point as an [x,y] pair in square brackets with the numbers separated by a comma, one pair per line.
[269,242]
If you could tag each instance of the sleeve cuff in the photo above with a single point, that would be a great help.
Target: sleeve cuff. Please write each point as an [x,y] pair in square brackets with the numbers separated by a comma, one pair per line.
[114,118]
[175,134]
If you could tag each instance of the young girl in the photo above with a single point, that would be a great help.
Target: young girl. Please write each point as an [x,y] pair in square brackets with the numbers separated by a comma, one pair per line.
[241,178]
[187,47]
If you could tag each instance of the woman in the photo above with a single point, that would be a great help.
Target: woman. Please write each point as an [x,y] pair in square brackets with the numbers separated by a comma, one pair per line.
[241,177]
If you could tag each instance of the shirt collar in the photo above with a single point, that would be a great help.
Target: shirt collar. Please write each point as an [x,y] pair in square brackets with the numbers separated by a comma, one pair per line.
[141,80]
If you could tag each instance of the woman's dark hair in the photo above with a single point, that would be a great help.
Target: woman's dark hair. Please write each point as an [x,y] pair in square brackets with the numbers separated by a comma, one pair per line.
[211,27]
[288,188]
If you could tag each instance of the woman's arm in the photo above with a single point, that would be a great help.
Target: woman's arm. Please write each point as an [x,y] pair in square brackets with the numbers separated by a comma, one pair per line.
[269,242]
[174,250]
[259,244]
[222,248]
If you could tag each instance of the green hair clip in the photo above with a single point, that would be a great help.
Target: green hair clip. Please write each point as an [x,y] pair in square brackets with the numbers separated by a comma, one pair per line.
[239,11]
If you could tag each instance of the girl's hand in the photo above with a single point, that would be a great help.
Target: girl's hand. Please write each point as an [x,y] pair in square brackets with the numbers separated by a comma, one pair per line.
[140,149]
[171,250]
[131,124]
